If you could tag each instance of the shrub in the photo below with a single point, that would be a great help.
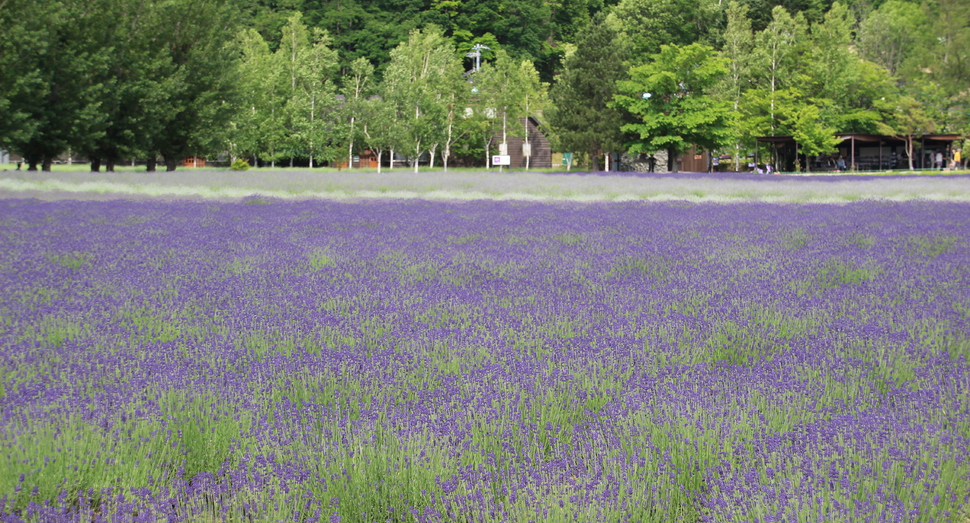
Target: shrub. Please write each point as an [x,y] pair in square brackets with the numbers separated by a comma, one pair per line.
[239,164]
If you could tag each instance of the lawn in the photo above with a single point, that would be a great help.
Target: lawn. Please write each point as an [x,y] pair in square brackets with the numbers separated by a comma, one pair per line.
[467,184]
[268,358]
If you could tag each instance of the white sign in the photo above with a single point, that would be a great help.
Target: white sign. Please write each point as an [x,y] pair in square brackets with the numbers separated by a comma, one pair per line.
[527,149]
[499,159]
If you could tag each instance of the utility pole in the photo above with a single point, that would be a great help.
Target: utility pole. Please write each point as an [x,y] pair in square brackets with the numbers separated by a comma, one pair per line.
[476,53]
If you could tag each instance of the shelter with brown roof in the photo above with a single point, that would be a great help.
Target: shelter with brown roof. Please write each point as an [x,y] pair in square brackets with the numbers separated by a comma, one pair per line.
[859,151]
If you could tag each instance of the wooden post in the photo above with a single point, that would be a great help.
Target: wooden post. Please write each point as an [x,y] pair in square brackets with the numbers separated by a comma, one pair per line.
[852,154]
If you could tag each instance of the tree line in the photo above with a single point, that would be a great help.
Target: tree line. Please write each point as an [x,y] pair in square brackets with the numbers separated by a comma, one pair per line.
[119,79]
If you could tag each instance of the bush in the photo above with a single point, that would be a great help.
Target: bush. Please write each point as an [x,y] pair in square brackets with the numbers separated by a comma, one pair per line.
[239,164]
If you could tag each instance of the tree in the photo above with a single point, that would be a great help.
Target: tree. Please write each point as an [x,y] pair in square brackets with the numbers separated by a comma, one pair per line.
[777,48]
[646,25]
[454,97]
[355,92]
[671,97]
[383,127]
[738,50]
[812,136]
[414,80]
[309,65]
[196,83]
[535,96]
[904,118]
[54,106]
[502,93]
[582,115]
[28,27]
[892,34]
[258,78]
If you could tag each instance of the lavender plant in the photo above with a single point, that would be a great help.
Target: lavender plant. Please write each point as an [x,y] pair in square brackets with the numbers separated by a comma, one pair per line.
[484,361]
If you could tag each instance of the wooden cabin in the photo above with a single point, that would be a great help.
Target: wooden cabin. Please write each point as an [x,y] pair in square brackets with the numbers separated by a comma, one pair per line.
[539,144]
[366,159]
[193,162]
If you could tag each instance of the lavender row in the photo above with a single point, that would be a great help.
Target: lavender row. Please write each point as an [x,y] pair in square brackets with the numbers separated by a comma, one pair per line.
[484,361]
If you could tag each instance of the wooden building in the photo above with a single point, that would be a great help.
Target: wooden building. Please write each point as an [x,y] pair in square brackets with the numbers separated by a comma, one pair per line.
[540,147]
[859,152]
[365,159]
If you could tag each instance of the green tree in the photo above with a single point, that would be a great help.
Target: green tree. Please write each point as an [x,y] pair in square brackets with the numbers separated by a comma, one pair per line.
[738,50]
[454,96]
[904,118]
[892,34]
[535,97]
[777,48]
[29,27]
[383,128]
[646,25]
[811,134]
[54,105]
[582,115]
[309,66]
[415,77]
[355,91]
[196,84]
[258,78]
[503,90]
[671,97]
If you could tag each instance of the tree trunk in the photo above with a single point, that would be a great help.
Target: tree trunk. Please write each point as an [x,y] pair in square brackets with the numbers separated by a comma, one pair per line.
[595,160]
[909,152]
[95,165]
[417,156]
[150,164]
[350,148]
[380,157]
[434,151]
[391,167]
[170,164]
[31,165]
[109,166]
[255,163]
[46,165]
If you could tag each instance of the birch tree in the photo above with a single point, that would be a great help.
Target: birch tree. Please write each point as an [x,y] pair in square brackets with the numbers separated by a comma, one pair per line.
[310,65]
[356,89]
[738,50]
[414,79]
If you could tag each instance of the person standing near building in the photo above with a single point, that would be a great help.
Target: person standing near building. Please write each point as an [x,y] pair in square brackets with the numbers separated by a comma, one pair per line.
[957,160]
[939,160]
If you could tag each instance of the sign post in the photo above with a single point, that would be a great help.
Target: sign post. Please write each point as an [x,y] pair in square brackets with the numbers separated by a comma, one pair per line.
[500,160]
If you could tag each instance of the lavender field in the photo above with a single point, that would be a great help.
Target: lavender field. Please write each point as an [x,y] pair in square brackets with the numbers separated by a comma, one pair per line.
[488,361]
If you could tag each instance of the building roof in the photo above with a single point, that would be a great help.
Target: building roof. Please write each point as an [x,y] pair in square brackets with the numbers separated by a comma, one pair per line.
[873,138]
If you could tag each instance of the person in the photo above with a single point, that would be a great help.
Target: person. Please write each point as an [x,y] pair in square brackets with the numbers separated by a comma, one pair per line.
[651,163]
[957,160]
[768,167]
[840,165]
[939,160]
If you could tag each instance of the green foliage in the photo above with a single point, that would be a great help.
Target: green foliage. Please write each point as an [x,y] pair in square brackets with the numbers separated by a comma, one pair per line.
[415,78]
[581,116]
[647,25]
[239,164]
[671,97]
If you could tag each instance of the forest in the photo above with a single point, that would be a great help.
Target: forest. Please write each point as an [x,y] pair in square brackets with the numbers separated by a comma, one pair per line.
[316,81]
